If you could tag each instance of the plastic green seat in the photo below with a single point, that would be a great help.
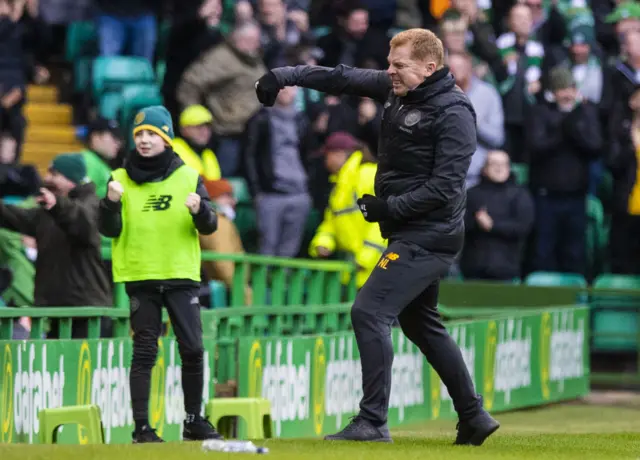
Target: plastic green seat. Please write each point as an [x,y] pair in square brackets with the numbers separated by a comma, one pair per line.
[521,173]
[596,234]
[113,73]
[611,281]
[555,279]
[254,412]
[110,104]
[320,31]
[136,96]
[161,70]
[218,294]
[10,199]
[87,416]
[81,40]
[615,314]
[82,74]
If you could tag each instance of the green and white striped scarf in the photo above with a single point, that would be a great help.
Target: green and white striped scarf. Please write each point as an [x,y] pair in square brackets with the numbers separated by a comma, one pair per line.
[534,52]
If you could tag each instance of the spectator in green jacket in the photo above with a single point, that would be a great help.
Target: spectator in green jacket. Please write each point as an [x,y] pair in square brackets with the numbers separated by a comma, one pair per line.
[103,144]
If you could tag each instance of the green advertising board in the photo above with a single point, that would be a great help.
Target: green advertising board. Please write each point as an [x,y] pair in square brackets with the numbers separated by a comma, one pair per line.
[314,382]
[38,374]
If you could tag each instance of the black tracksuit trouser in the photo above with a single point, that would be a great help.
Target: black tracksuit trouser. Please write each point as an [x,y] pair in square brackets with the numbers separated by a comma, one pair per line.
[404,285]
[183,306]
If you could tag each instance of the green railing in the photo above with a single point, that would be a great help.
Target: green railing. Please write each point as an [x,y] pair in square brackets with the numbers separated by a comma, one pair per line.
[276,280]
[225,325]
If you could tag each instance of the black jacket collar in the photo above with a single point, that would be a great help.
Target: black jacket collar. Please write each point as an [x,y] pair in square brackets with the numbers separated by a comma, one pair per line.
[440,81]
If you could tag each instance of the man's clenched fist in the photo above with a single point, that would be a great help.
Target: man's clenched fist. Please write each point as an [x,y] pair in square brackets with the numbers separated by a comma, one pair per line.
[193,203]
[267,89]
[115,191]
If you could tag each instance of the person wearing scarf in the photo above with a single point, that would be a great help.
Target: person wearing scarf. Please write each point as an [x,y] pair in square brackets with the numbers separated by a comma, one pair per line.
[154,210]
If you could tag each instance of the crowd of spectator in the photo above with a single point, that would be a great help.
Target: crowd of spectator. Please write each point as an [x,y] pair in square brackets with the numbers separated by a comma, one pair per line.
[554,84]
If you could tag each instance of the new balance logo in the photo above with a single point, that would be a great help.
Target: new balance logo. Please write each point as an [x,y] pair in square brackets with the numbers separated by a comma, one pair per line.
[157,203]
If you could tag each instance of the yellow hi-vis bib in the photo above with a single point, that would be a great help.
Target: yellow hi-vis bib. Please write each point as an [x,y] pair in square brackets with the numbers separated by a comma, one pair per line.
[159,240]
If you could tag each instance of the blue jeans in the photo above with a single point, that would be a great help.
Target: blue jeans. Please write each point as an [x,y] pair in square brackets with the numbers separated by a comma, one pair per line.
[561,223]
[115,33]
[228,152]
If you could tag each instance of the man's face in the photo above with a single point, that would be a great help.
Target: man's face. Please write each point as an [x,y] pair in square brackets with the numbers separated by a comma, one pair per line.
[357,23]
[211,12]
[149,144]
[334,160]
[632,44]
[498,167]
[271,11]
[287,96]
[106,144]
[535,6]
[454,42]
[461,68]
[199,135]
[580,52]
[57,183]
[566,98]
[520,20]
[407,73]
[625,26]
[248,42]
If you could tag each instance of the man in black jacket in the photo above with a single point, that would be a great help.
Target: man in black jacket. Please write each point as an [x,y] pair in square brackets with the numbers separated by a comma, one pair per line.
[565,137]
[427,138]
[498,220]
[69,267]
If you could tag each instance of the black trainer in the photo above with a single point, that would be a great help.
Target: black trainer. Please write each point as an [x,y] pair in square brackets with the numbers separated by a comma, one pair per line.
[361,429]
[199,429]
[144,435]
[475,431]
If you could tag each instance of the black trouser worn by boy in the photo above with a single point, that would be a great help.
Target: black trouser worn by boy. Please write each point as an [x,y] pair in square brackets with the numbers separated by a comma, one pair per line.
[183,306]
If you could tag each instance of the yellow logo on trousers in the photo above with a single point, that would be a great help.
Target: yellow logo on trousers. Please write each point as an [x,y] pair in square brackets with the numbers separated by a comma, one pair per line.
[386,258]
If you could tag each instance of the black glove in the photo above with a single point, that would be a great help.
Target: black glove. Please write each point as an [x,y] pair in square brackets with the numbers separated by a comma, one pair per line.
[373,208]
[267,89]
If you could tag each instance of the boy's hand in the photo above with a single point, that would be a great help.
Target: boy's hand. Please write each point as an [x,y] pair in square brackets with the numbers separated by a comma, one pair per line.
[115,191]
[193,203]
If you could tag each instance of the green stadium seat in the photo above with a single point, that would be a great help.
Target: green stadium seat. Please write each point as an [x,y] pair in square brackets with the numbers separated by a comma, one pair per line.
[320,31]
[218,294]
[161,70]
[10,199]
[110,104]
[113,73]
[521,173]
[246,221]
[81,74]
[555,279]
[596,235]
[82,41]
[612,281]
[615,315]
[163,38]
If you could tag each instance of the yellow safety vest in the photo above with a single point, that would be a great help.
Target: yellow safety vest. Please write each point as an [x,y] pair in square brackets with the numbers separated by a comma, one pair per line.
[159,240]
[343,227]
[206,165]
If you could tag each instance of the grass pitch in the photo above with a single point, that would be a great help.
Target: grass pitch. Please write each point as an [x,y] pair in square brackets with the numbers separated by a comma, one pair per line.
[571,431]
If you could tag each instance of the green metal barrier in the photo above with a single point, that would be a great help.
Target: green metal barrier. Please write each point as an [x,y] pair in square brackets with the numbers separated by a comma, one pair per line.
[276,280]
[517,359]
